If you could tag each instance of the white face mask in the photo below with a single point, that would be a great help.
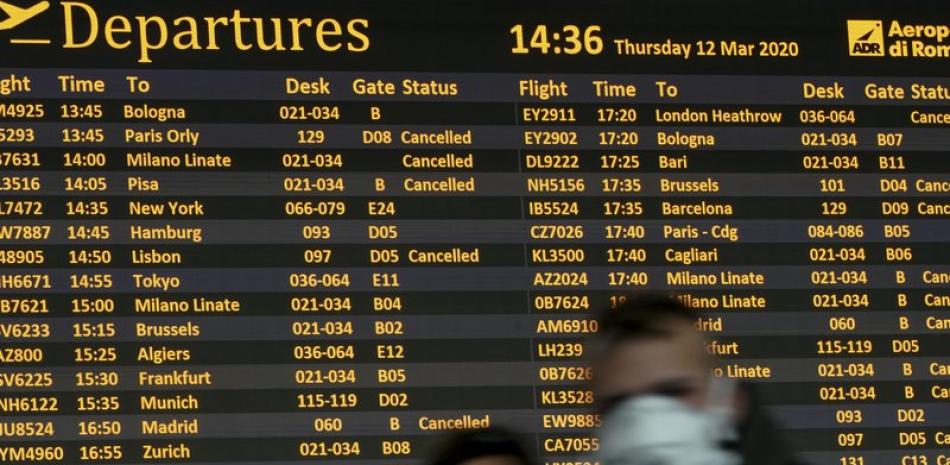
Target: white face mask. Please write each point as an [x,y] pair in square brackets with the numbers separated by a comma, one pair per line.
[659,430]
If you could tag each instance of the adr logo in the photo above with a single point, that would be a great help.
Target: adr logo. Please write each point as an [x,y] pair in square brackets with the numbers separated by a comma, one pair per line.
[865,38]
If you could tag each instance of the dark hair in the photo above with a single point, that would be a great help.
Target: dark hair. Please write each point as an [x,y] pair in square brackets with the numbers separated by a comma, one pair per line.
[473,444]
[647,315]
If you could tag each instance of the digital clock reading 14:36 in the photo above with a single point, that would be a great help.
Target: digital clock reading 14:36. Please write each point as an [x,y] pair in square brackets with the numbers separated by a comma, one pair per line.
[569,40]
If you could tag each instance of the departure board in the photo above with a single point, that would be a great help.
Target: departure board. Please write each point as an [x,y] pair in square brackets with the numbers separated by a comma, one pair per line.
[287,232]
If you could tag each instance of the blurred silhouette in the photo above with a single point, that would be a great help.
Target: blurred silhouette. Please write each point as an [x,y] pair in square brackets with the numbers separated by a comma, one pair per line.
[488,446]
[660,402]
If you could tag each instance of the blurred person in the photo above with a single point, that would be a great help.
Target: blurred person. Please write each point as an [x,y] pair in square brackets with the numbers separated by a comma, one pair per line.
[487,446]
[661,404]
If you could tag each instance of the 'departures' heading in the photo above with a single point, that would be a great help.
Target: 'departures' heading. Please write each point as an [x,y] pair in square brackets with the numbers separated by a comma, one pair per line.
[84,26]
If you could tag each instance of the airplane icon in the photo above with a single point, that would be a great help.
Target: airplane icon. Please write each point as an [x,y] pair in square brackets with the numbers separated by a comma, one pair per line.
[867,36]
[18,15]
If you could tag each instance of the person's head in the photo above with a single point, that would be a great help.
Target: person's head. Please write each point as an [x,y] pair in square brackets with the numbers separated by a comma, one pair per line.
[653,381]
[488,446]
[649,345]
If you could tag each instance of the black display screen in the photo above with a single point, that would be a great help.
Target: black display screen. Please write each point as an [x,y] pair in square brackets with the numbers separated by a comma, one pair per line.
[293,232]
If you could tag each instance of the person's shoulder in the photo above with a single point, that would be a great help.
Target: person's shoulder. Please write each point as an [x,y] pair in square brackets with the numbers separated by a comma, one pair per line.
[760,438]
